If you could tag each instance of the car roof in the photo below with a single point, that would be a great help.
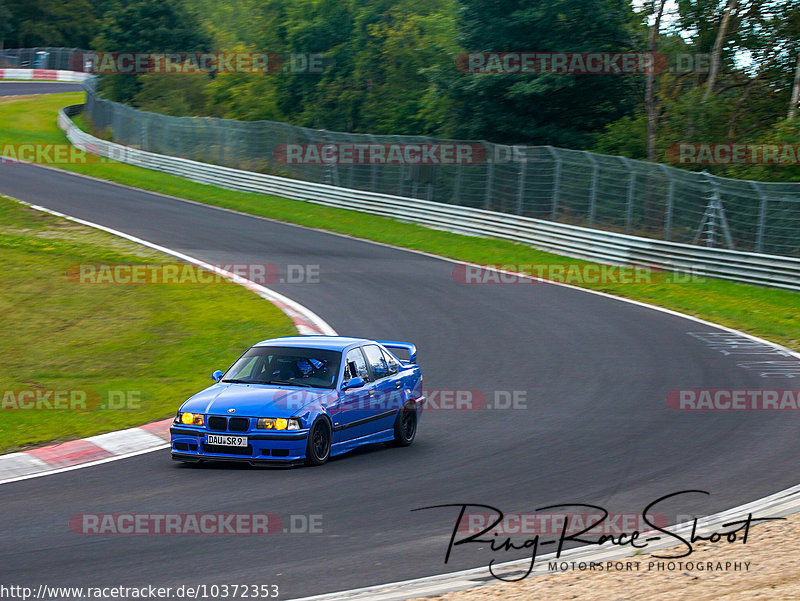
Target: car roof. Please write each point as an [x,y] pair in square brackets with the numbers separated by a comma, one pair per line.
[332,343]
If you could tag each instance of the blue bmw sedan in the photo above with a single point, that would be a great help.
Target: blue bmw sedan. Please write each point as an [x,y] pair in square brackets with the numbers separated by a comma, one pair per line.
[302,399]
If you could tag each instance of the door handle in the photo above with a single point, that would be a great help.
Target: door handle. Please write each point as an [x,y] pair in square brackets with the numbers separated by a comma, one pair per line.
[372,392]
[398,384]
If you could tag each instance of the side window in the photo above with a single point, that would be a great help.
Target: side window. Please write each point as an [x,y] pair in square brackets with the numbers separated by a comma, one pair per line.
[355,366]
[391,363]
[376,361]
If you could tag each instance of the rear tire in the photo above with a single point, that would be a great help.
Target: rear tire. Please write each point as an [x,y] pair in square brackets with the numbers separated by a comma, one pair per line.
[318,447]
[405,425]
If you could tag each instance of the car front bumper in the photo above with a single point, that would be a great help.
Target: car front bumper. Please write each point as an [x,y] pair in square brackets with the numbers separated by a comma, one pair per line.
[263,449]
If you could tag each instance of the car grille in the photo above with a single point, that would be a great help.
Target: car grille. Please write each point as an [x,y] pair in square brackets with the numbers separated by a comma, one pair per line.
[223,450]
[234,424]
[220,424]
[239,424]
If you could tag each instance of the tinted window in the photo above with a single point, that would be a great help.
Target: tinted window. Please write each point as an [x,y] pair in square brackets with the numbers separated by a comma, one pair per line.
[376,361]
[286,365]
[391,362]
[356,366]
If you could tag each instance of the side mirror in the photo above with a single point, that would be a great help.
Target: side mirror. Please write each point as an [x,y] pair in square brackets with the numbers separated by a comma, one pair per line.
[217,376]
[356,382]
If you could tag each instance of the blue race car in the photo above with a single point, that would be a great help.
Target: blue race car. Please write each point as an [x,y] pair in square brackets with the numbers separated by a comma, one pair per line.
[301,399]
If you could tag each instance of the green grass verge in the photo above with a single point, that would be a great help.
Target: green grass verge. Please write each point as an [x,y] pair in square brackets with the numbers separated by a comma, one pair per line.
[764,312]
[155,345]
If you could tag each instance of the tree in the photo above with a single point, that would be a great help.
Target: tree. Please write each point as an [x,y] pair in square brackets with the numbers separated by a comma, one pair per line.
[6,23]
[180,95]
[144,26]
[650,102]
[542,108]
[795,91]
[69,23]
[789,26]
[375,59]
[719,42]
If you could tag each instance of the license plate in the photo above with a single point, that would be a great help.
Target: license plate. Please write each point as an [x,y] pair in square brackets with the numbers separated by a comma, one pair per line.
[227,441]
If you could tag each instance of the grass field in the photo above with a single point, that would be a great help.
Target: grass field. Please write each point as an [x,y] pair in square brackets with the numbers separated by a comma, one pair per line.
[766,312]
[140,350]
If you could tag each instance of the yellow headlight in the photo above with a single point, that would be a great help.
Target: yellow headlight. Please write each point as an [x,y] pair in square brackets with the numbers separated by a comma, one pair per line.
[192,419]
[281,423]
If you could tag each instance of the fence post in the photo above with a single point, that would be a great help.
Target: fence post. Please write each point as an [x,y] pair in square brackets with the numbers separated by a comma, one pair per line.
[373,172]
[142,135]
[670,204]
[556,182]
[487,201]
[177,135]
[351,171]
[762,217]
[715,212]
[523,160]
[402,181]
[710,217]
[593,190]
[457,185]
[331,169]
[631,189]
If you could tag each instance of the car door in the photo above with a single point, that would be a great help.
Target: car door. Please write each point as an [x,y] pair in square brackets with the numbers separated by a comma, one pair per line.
[388,396]
[352,419]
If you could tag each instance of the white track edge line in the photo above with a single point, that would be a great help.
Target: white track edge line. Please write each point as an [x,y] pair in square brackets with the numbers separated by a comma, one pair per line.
[69,468]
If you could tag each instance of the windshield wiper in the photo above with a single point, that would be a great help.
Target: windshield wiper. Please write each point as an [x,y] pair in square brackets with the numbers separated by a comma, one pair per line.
[238,382]
[288,382]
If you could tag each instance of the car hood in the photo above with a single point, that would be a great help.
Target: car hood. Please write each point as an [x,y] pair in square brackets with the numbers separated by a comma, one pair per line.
[255,400]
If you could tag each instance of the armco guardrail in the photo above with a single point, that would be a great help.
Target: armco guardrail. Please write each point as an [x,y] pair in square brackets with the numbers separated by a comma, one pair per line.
[575,241]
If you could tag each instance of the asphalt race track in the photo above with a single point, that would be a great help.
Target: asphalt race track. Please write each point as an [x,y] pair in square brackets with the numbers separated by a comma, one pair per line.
[20,88]
[594,371]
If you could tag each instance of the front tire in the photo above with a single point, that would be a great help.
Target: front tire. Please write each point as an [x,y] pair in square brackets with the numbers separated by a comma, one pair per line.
[405,425]
[318,448]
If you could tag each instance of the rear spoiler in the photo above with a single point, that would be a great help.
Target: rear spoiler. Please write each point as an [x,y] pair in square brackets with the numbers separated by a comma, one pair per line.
[406,346]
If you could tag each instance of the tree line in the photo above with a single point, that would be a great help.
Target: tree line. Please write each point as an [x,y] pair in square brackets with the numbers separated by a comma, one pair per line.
[728,70]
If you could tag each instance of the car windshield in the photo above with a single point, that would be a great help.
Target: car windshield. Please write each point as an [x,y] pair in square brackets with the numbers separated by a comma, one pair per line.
[287,366]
